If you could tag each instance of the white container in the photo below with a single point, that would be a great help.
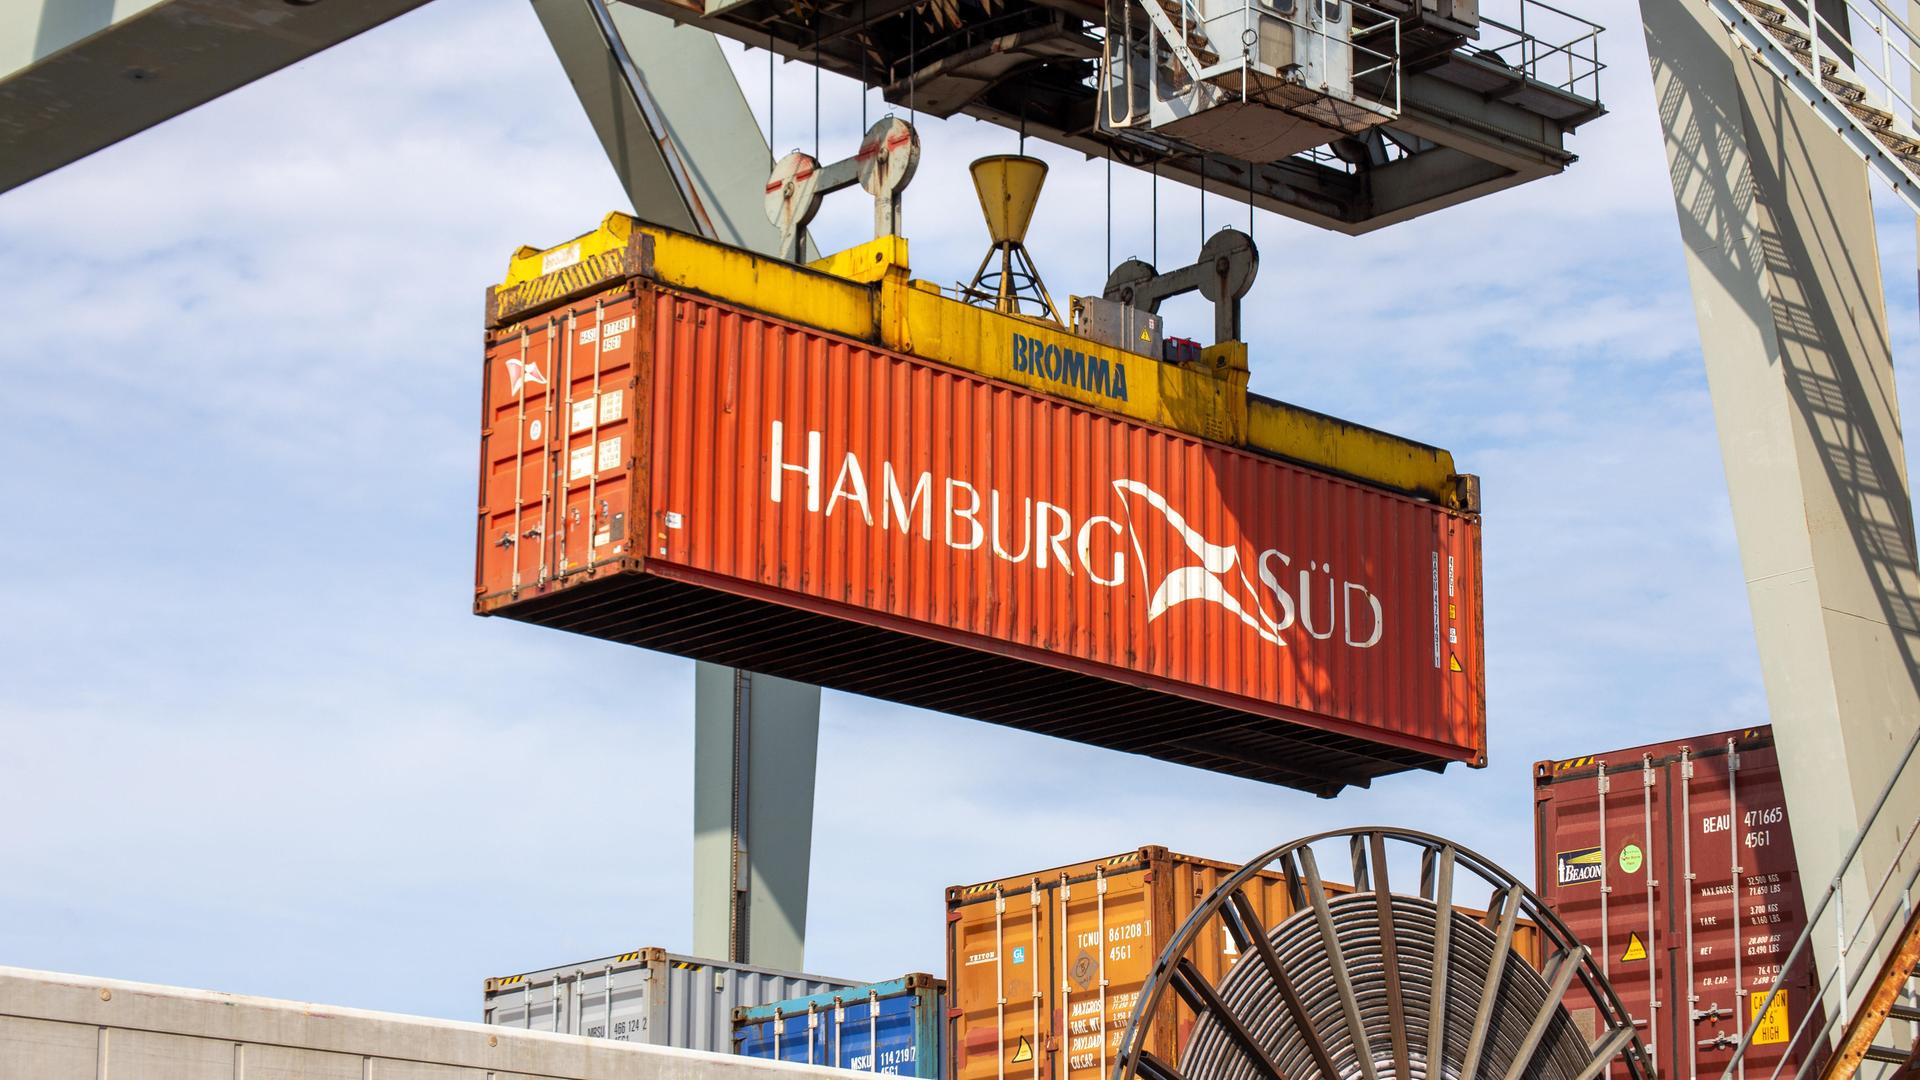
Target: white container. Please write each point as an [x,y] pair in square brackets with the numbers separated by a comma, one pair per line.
[650,996]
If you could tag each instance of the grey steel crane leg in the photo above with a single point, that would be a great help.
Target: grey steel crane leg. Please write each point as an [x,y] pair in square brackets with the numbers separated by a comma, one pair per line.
[690,155]
[1781,254]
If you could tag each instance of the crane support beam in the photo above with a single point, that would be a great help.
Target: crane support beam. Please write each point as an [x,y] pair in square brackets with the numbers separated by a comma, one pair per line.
[1472,121]
[670,116]
[77,77]
[689,153]
[756,740]
[1778,230]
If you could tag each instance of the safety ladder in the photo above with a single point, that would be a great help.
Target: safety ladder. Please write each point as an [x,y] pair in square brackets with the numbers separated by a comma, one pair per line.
[1857,73]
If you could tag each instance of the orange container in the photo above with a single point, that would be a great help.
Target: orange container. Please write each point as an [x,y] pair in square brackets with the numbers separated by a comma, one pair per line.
[1043,968]
[673,472]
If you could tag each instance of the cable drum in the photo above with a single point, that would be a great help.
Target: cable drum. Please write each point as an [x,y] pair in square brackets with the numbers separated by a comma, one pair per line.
[1343,987]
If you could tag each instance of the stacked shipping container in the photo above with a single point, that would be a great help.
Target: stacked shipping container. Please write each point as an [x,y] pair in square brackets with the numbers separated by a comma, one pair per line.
[649,996]
[1674,864]
[892,1027]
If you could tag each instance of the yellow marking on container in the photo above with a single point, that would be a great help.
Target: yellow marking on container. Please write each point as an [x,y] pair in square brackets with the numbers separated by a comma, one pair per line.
[1636,949]
[1774,1027]
[1022,1052]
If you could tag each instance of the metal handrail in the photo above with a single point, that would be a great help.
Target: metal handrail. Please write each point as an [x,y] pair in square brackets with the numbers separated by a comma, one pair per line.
[1879,142]
[1833,892]
[1164,32]
[1582,50]
[1786,1052]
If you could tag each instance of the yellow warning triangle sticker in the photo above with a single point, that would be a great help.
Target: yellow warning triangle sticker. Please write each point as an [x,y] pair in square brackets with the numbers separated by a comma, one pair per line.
[1635,950]
[1023,1052]
[1453,662]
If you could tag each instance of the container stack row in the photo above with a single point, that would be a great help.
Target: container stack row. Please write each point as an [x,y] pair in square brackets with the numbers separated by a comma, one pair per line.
[1043,969]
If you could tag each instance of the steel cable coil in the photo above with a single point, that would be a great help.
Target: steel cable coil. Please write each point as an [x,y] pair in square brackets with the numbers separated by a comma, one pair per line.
[1343,988]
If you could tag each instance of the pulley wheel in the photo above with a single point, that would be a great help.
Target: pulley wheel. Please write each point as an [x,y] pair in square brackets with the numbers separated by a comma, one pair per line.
[791,188]
[888,155]
[1228,262]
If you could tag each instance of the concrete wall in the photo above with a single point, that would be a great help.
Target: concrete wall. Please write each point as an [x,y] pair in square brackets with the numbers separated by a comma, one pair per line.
[71,1027]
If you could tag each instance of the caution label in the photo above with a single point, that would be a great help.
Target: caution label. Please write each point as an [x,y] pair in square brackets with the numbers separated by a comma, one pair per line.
[1772,1027]
[1022,1052]
[1453,663]
[1636,949]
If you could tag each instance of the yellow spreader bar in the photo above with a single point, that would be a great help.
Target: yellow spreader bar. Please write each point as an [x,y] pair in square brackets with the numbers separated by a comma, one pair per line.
[867,294]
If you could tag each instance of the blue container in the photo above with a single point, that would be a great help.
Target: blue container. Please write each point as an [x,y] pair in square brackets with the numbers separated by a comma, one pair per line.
[904,1017]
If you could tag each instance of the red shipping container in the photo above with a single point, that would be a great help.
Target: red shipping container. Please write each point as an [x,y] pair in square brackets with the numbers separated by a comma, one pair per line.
[1686,889]
[682,474]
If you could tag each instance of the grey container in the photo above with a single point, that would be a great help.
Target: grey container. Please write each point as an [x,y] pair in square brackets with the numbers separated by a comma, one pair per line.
[650,996]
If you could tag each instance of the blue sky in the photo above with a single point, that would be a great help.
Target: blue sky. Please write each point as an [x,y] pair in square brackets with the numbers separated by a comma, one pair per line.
[257,742]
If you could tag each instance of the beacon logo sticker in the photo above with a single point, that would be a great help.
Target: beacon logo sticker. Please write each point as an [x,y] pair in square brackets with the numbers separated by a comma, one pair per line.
[524,374]
[1579,866]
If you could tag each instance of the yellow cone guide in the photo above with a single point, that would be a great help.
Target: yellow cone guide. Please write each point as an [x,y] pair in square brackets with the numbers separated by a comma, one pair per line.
[1009,186]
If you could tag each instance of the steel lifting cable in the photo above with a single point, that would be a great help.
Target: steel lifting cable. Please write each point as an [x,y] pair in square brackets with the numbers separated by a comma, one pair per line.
[816,85]
[1250,168]
[1375,983]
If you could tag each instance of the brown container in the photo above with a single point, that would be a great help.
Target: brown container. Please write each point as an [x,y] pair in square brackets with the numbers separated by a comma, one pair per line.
[1618,838]
[1043,968]
[668,471]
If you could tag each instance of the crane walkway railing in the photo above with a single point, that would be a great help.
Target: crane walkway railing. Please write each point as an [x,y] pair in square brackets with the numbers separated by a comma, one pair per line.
[1857,73]
[1549,45]
[1212,48]
[1847,1000]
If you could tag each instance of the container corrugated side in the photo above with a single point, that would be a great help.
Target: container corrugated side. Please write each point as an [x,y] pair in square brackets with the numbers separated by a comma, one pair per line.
[893,1028]
[1674,863]
[1043,968]
[649,996]
[668,471]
